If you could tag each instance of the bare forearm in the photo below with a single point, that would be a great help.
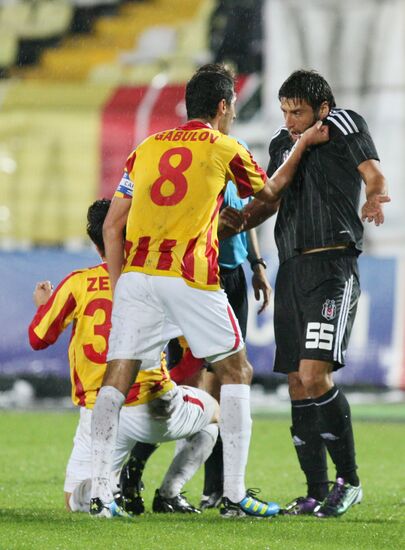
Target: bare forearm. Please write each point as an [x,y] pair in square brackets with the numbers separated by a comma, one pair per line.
[285,174]
[257,212]
[253,245]
[376,186]
[114,253]
[281,179]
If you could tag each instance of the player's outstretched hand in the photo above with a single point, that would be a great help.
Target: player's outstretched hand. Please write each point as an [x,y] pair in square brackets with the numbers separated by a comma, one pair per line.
[42,293]
[316,134]
[261,287]
[372,209]
[231,221]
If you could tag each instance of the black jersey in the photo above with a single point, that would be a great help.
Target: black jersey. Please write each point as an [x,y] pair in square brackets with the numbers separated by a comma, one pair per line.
[320,207]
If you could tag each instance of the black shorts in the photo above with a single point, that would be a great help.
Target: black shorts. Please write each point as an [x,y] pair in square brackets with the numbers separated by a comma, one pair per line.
[315,305]
[233,281]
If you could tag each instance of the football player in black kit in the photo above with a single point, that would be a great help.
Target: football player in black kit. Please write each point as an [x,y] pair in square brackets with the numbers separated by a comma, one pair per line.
[319,237]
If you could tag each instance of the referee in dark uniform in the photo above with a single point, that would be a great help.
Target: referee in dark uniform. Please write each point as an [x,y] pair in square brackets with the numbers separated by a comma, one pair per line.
[319,237]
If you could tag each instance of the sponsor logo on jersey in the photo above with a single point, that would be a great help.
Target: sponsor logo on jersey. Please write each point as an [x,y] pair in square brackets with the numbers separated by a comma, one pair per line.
[329,310]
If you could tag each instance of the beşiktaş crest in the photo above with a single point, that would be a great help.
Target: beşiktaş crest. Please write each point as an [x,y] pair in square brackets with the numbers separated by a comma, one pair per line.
[329,310]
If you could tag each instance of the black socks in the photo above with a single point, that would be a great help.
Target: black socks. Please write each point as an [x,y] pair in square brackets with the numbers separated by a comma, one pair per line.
[214,470]
[310,447]
[336,430]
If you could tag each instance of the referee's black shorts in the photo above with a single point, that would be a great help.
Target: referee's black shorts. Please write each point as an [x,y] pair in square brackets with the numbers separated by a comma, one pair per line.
[233,281]
[316,297]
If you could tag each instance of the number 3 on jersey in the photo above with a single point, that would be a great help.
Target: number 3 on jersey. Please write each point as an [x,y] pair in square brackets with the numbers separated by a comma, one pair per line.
[173,174]
[100,329]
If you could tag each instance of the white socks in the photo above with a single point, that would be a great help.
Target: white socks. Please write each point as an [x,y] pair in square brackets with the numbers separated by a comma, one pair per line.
[191,453]
[104,426]
[236,428]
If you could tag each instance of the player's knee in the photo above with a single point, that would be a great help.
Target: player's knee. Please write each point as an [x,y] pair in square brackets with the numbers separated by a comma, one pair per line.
[315,376]
[212,430]
[235,369]
[315,383]
[247,372]
[296,388]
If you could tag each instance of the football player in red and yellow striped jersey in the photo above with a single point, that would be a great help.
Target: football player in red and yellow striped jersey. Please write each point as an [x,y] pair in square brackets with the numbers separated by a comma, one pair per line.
[84,300]
[169,200]
[171,247]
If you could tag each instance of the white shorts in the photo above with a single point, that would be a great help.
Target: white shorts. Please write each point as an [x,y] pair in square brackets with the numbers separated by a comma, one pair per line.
[148,311]
[178,414]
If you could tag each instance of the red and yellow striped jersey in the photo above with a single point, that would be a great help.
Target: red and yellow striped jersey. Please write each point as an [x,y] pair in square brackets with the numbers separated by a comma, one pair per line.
[176,180]
[84,300]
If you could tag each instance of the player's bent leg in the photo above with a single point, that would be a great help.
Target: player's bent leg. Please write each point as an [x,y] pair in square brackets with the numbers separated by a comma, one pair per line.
[192,410]
[235,374]
[119,376]
[187,411]
[78,468]
[192,453]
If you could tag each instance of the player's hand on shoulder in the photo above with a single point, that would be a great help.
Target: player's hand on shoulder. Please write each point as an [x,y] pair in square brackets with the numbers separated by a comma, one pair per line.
[316,134]
[231,221]
[372,209]
[42,292]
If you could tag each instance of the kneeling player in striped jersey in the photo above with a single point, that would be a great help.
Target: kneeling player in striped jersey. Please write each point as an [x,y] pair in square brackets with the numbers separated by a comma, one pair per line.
[156,408]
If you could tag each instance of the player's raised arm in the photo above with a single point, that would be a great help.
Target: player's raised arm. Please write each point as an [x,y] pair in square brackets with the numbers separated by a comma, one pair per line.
[50,321]
[42,292]
[267,200]
[113,228]
[376,192]
[272,191]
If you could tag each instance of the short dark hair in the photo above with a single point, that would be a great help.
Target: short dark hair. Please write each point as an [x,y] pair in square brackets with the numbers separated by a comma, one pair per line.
[95,218]
[309,86]
[208,86]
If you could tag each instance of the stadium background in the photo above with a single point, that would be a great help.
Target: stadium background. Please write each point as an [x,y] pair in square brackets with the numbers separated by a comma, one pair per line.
[85,81]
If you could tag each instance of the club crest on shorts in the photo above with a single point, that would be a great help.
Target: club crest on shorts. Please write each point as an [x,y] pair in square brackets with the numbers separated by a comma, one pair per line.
[329,310]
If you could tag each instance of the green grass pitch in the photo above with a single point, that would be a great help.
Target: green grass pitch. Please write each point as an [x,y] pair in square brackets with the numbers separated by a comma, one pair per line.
[35,447]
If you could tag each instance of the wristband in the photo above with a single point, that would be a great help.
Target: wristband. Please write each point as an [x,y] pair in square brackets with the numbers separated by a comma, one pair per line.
[258,261]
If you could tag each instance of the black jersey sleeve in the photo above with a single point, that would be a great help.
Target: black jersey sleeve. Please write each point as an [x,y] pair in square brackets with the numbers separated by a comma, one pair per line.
[278,145]
[351,129]
[361,148]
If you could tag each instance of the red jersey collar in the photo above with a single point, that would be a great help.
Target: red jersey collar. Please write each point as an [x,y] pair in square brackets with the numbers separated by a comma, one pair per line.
[195,125]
